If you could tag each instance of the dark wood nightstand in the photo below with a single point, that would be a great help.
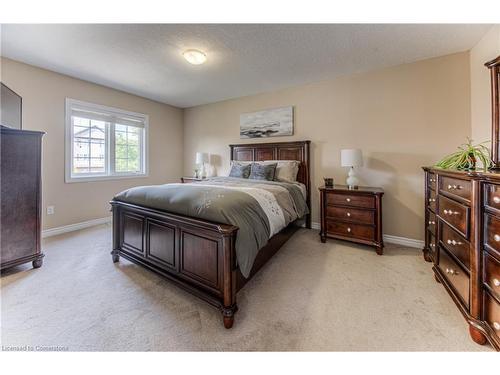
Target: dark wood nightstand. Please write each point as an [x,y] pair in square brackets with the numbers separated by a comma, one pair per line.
[186,180]
[352,214]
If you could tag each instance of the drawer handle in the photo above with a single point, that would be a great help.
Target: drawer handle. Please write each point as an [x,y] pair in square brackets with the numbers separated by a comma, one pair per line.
[496,325]
[496,237]
[496,282]
[349,230]
[432,245]
[348,214]
[451,271]
[432,180]
[432,199]
[454,187]
[453,242]
[450,212]
[348,199]
[496,199]
[431,222]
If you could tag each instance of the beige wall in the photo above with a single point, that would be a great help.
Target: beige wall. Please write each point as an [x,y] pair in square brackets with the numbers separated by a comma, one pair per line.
[402,118]
[485,50]
[44,94]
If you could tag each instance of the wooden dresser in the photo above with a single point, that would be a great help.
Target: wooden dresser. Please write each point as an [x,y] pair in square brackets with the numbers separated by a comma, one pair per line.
[462,225]
[21,153]
[462,232]
[352,214]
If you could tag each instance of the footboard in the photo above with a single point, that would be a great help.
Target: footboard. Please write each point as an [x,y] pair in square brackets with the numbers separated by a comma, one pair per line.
[196,255]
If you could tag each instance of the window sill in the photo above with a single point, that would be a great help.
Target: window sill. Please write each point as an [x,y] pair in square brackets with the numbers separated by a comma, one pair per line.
[72,180]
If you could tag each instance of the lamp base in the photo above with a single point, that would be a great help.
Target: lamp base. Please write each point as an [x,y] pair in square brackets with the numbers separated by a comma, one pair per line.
[352,181]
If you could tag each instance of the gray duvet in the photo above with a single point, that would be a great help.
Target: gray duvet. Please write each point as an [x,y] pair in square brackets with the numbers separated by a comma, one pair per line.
[259,208]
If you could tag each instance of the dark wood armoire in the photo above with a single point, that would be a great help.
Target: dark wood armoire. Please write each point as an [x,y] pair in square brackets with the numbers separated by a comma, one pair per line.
[20,198]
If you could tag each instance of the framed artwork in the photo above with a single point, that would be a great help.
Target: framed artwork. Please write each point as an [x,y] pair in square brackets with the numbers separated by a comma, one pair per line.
[275,122]
[11,106]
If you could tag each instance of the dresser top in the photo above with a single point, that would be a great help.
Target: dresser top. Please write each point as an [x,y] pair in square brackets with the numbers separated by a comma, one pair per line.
[359,189]
[492,174]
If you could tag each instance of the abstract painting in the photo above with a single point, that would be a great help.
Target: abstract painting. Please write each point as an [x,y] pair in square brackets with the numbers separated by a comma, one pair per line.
[275,122]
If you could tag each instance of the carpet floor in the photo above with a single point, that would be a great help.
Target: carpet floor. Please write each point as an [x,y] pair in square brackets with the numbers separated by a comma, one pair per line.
[309,297]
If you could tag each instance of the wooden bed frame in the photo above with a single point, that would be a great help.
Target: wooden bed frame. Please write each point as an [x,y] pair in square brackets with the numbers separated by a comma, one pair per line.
[199,255]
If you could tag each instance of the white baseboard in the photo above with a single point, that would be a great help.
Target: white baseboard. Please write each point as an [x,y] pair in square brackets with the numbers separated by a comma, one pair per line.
[404,241]
[410,242]
[72,227]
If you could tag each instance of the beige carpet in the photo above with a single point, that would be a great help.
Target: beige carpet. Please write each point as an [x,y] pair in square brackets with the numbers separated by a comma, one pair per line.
[310,296]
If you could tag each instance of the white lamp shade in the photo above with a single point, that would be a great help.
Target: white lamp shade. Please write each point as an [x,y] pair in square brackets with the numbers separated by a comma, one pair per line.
[352,157]
[201,157]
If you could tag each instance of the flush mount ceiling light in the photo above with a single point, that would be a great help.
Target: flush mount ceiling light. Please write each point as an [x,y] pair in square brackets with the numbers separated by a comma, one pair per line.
[195,57]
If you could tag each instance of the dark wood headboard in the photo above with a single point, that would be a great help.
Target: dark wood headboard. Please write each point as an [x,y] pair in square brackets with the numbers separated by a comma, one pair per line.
[298,150]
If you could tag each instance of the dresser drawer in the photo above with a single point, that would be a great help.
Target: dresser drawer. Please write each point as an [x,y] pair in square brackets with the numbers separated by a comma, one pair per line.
[491,313]
[455,214]
[455,187]
[457,277]
[431,222]
[431,181]
[455,244]
[432,244]
[354,200]
[431,201]
[492,232]
[364,232]
[492,274]
[351,214]
[492,196]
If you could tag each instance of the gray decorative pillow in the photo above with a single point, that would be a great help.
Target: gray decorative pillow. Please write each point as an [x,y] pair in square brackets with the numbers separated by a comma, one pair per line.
[240,171]
[263,171]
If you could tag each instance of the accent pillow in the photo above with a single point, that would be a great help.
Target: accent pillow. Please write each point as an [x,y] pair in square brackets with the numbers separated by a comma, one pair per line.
[287,170]
[240,171]
[263,171]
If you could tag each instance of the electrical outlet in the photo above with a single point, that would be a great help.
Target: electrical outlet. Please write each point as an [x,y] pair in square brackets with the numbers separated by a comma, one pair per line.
[50,210]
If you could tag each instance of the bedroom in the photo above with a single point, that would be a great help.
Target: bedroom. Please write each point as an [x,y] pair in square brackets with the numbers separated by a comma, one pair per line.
[249,187]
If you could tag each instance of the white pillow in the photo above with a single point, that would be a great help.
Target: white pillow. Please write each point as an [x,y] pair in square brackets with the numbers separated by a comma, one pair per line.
[286,170]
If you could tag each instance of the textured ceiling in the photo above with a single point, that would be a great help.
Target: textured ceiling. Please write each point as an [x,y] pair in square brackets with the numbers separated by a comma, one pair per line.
[146,60]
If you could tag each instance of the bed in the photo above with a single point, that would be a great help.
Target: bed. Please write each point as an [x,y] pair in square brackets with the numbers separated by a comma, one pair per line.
[198,254]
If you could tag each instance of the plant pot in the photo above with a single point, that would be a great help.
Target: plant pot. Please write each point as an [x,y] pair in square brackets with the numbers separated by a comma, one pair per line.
[472,162]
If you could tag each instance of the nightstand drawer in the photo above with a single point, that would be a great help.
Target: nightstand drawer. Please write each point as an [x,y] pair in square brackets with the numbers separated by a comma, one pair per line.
[351,214]
[351,200]
[364,232]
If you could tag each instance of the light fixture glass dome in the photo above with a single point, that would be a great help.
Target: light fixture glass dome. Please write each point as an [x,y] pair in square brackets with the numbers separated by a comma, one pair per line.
[195,57]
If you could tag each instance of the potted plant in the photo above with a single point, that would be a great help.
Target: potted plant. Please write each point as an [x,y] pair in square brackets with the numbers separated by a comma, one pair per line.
[467,156]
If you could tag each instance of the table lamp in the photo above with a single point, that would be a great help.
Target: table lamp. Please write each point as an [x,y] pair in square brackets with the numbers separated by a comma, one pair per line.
[351,158]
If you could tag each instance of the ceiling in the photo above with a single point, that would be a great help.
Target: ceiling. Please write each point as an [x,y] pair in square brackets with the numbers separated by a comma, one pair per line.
[146,59]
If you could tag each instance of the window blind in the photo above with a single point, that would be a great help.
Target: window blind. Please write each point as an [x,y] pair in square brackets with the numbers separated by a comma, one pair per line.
[111,117]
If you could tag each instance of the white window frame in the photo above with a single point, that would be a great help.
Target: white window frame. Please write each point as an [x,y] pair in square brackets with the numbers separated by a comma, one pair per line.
[111,175]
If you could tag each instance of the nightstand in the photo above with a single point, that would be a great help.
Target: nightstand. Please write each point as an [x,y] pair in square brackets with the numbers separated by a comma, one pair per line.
[186,180]
[352,215]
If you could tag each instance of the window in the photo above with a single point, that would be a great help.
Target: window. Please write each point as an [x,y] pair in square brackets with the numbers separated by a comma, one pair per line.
[104,143]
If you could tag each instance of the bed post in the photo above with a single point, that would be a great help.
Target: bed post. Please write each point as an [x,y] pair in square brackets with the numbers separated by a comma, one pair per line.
[116,232]
[229,306]
[307,162]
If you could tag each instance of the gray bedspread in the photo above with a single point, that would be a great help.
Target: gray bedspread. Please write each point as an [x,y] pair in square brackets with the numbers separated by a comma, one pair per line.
[259,208]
